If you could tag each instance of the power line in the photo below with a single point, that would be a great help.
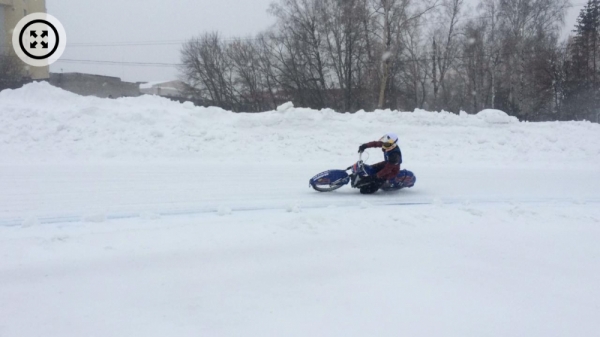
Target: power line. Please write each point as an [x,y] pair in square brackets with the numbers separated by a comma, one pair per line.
[124,44]
[148,43]
[120,63]
[175,65]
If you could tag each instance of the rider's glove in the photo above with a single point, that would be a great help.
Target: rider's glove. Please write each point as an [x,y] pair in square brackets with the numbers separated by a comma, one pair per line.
[362,148]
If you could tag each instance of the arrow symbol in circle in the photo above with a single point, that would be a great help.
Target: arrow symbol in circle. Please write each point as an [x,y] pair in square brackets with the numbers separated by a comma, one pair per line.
[33,44]
[44,45]
[44,33]
[33,34]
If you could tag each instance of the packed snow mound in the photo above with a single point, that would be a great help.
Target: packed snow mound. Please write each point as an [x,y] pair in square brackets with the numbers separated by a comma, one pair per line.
[285,107]
[42,122]
[494,116]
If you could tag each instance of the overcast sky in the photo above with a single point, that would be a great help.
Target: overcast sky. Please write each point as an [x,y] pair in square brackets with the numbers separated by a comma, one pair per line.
[116,21]
[93,27]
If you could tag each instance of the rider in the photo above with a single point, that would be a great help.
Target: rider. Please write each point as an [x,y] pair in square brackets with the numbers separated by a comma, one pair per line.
[387,169]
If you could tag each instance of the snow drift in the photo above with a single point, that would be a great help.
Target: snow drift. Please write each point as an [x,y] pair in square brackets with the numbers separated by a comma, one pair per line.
[43,122]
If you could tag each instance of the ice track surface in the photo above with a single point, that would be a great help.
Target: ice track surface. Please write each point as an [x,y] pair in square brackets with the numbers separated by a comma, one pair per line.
[69,192]
[188,249]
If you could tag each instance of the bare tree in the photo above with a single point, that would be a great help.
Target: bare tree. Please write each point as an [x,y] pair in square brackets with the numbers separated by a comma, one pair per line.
[492,47]
[265,45]
[301,50]
[345,45]
[445,47]
[250,83]
[208,70]
[415,72]
[392,13]
[526,25]
[392,17]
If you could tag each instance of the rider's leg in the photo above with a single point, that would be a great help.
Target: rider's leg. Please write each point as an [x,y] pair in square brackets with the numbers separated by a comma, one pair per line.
[377,167]
[372,187]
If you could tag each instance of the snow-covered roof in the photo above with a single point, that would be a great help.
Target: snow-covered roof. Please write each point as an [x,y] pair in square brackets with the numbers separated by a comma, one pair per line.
[150,85]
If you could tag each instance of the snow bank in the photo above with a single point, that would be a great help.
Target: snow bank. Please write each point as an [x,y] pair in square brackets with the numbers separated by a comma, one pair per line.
[41,122]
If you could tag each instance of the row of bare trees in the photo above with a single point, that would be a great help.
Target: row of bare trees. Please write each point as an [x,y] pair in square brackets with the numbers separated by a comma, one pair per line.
[398,54]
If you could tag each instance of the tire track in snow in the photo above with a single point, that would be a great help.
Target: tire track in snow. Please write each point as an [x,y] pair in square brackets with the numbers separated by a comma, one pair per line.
[74,218]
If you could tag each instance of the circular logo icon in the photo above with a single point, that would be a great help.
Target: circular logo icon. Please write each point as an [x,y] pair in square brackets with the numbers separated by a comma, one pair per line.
[39,39]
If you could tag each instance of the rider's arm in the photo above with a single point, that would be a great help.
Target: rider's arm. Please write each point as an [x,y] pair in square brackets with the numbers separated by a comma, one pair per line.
[369,145]
[373,144]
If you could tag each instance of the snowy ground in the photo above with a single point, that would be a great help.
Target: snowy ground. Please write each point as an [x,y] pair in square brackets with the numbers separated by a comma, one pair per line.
[142,217]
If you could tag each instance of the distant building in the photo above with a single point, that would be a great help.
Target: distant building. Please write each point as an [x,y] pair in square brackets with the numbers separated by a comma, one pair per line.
[95,85]
[11,12]
[173,89]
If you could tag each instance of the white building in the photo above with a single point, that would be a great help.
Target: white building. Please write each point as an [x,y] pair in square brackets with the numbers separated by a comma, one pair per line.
[163,88]
[11,12]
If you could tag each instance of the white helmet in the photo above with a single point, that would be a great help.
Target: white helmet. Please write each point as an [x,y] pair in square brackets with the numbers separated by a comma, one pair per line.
[390,141]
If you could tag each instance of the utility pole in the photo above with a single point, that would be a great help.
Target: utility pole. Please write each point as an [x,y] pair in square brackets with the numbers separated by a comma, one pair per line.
[385,57]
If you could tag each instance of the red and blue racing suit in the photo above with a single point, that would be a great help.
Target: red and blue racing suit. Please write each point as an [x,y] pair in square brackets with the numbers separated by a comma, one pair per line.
[390,167]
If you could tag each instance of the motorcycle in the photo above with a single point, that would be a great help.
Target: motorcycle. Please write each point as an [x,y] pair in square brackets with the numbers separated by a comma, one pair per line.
[333,179]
